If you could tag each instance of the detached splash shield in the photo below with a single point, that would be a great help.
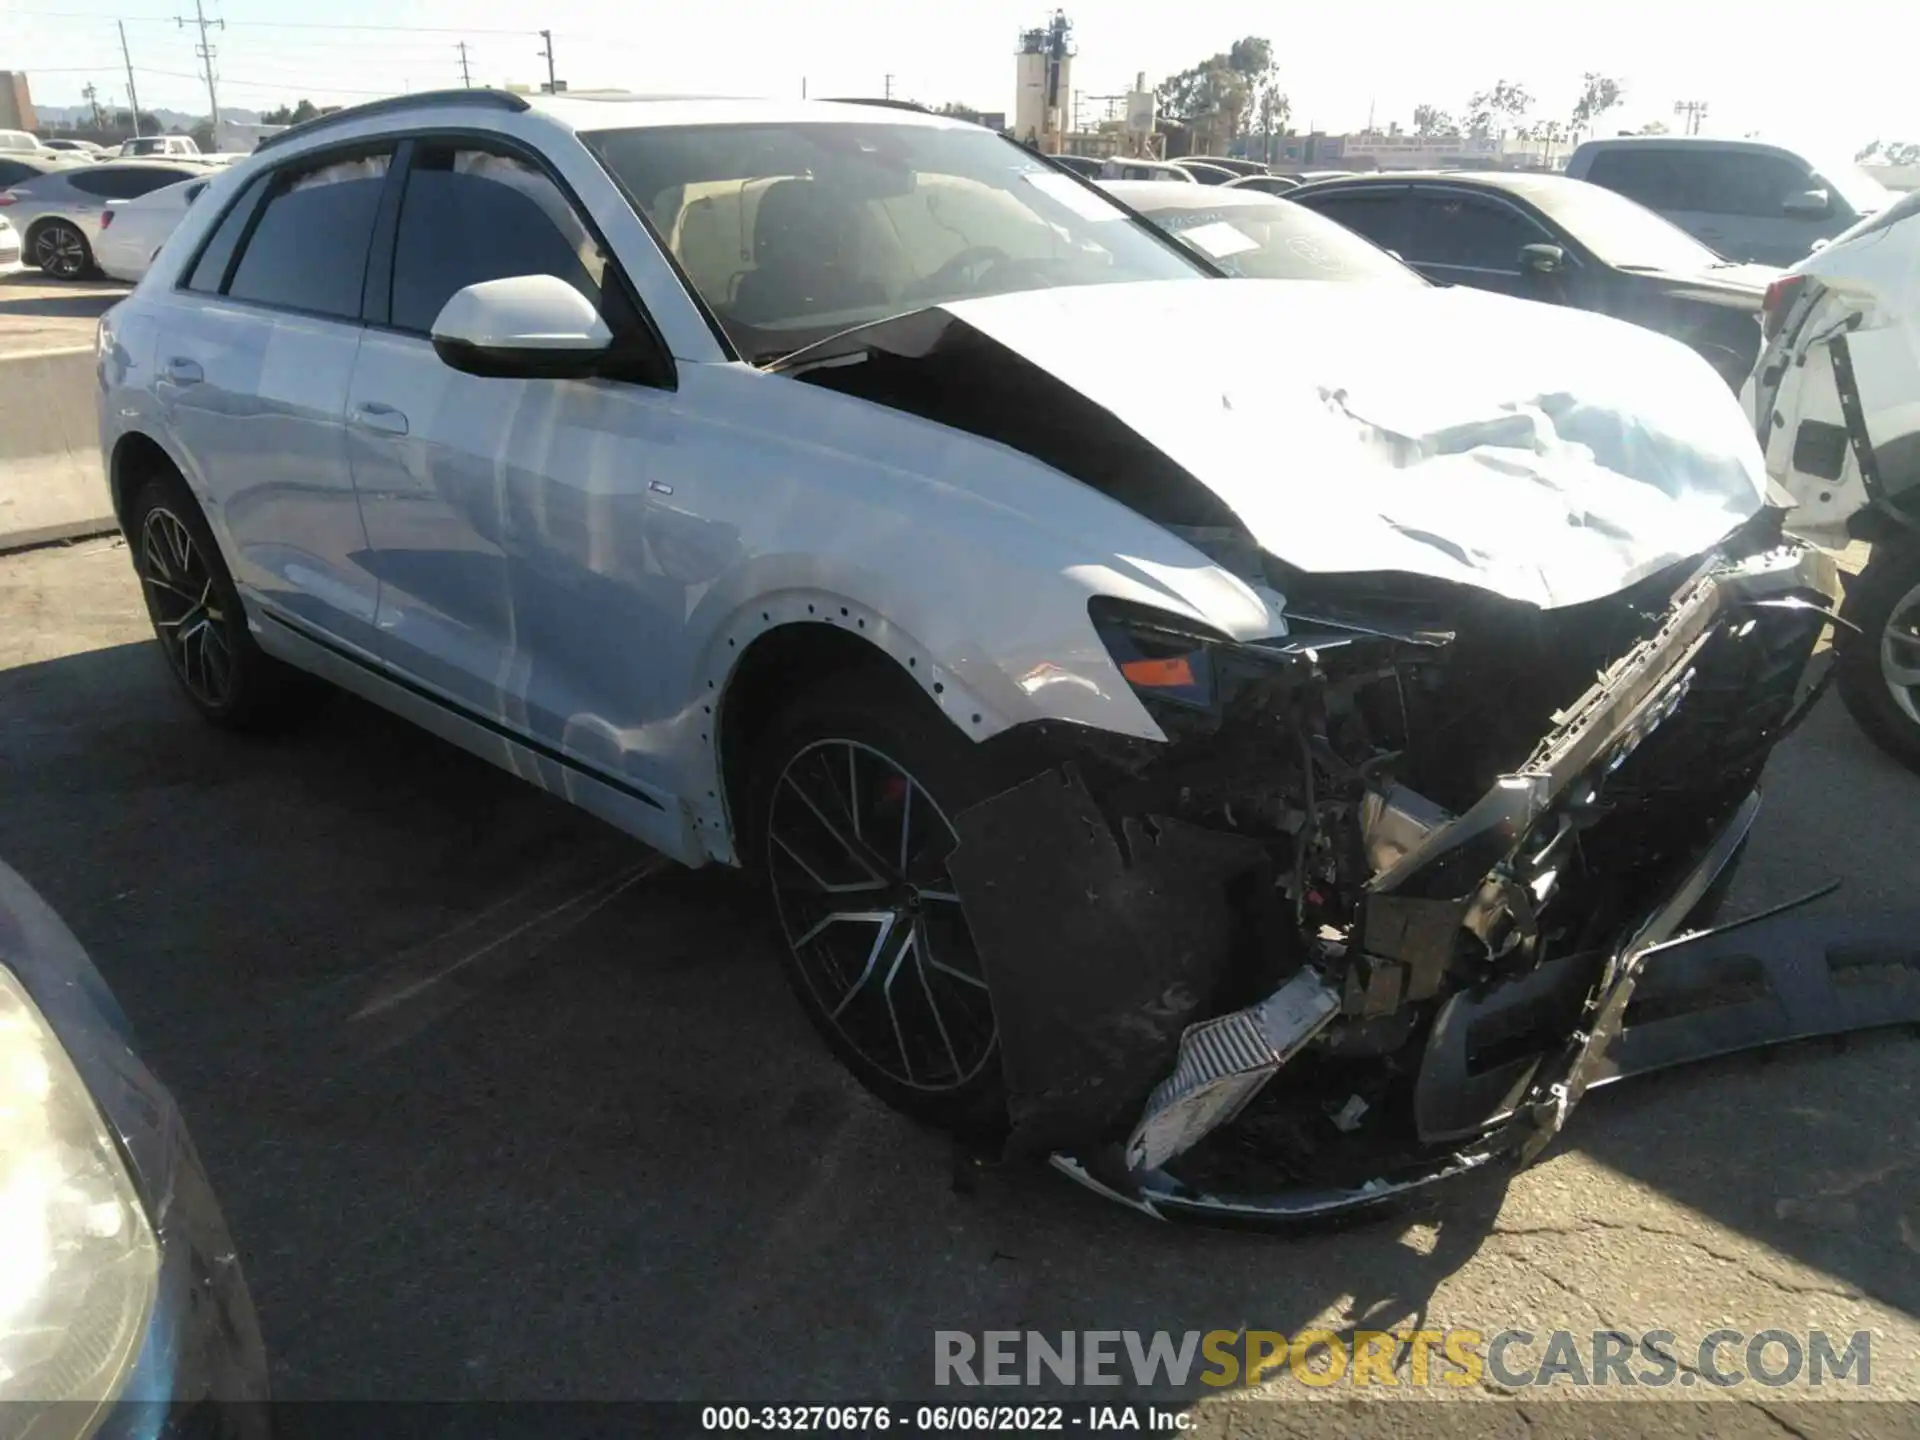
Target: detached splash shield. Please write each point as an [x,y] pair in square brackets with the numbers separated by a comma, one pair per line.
[1116,951]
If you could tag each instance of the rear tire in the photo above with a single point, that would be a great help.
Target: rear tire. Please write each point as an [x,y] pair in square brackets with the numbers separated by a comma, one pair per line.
[1878,670]
[61,251]
[851,798]
[197,616]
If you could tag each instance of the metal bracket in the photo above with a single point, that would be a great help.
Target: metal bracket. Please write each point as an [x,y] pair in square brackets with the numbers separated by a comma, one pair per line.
[1855,415]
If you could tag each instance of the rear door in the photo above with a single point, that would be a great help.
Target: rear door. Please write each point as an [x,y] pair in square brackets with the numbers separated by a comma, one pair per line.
[493,505]
[254,360]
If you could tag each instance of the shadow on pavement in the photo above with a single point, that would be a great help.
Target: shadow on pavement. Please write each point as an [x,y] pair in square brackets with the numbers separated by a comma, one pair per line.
[58,306]
[606,1157]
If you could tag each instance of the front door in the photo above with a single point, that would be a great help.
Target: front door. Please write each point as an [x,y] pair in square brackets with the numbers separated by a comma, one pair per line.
[508,516]
[1738,204]
[1455,238]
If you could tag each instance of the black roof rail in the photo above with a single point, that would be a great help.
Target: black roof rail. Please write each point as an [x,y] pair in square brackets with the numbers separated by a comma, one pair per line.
[484,99]
[883,103]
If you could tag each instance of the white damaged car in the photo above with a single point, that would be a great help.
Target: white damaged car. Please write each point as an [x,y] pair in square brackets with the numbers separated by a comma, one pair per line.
[1835,400]
[1238,739]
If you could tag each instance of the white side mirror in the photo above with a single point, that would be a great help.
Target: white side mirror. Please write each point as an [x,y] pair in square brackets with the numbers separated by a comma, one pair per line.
[525,326]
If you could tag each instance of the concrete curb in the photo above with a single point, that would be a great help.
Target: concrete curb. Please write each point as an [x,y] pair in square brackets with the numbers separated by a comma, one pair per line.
[53,485]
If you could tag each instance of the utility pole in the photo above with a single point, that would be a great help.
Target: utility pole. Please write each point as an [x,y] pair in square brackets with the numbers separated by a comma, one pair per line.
[206,54]
[1694,110]
[92,103]
[466,80]
[553,85]
[889,87]
[133,95]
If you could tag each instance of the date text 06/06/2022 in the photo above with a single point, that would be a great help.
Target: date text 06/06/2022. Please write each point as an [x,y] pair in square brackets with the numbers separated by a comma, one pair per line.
[944,1419]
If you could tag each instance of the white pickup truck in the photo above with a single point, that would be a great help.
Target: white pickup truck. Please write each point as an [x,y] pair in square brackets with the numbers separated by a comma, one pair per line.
[173,146]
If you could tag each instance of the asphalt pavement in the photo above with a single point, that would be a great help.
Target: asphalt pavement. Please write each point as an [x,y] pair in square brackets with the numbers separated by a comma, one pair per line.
[41,314]
[500,1106]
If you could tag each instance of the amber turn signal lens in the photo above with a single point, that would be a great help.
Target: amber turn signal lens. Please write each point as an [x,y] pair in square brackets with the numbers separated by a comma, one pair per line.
[1171,674]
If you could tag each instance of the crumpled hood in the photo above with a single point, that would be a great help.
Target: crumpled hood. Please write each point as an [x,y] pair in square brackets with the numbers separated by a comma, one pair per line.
[1550,455]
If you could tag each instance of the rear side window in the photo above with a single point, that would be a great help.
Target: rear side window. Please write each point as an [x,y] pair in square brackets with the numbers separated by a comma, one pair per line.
[1376,216]
[121,184]
[12,172]
[210,270]
[1466,231]
[470,216]
[308,249]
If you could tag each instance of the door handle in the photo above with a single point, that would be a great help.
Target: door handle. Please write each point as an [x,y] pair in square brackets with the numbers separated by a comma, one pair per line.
[381,418]
[182,371]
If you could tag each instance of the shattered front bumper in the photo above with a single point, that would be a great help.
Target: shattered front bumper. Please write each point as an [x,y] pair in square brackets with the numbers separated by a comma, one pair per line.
[1521,1132]
[1069,1074]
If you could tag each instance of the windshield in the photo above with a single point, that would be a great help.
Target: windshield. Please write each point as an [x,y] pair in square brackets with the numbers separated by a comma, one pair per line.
[1260,237]
[792,233]
[1621,232]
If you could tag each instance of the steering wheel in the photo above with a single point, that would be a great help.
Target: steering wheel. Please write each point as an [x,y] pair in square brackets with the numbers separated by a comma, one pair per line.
[947,277]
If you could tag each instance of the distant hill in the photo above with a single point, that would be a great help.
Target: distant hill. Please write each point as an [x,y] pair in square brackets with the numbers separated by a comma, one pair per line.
[172,119]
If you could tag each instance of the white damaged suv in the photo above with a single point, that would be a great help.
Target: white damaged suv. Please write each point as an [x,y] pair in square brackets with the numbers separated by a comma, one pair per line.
[1162,709]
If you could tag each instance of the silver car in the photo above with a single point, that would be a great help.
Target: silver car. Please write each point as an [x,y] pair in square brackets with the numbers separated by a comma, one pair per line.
[62,210]
[126,1306]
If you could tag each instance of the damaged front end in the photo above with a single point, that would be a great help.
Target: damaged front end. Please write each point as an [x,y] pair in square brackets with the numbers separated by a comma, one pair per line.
[1371,914]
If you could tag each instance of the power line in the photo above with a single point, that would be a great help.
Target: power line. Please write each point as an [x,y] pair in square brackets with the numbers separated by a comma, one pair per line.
[312,87]
[274,24]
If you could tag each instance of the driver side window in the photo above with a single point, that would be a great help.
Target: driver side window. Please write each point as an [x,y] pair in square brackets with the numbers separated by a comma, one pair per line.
[471,215]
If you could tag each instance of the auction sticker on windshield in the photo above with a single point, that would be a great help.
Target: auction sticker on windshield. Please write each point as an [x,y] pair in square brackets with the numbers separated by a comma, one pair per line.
[1072,194]
[1219,239]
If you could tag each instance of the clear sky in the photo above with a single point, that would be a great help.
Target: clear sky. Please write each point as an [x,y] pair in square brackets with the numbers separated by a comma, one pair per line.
[1338,64]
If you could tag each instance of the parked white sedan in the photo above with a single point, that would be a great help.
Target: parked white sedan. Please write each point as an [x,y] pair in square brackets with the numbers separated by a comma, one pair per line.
[132,231]
[10,248]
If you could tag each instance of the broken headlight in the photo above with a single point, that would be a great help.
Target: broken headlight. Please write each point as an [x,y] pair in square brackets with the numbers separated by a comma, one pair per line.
[1164,657]
[78,1258]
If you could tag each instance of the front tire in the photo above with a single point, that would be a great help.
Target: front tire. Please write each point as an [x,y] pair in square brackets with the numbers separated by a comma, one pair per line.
[1879,669]
[62,252]
[197,616]
[852,799]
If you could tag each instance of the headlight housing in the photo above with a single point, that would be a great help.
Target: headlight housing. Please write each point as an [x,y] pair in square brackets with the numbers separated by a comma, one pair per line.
[1165,658]
[79,1263]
